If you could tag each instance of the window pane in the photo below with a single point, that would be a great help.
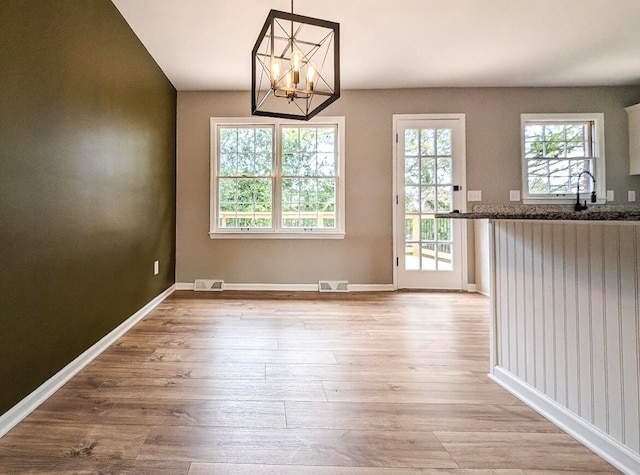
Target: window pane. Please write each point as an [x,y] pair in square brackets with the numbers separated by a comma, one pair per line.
[227,190]
[445,201]
[245,151]
[444,171]
[327,140]
[428,199]
[412,199]
[289,140]
[326,164]
[263,164]
[307,140]
[443,144]
[533,133]
[245,202]
[445,257]
[412,171]
[428,229]
[412,256]
[428,171]
[444,229]
[326,190]
[576,149]
[534,149]
[553,149]
[290,164]
[428,256]
[228,164]
[411,143]
[290,190]
[228,140]
[576,132]
[410,229]
[263,140]
[428,142]
[554,133]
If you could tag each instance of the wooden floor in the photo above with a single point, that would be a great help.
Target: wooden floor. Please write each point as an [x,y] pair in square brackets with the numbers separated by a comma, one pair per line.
[242,383]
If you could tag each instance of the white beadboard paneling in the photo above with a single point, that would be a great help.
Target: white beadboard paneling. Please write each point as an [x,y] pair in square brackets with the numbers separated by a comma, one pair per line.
[560,315]
[501,293]
[512,323]
[520,299]
[548,251]
[538,303]
[572,337]
[630,334]
[529,304]
[598,352]
[585,327]
[612,322]
[567,319]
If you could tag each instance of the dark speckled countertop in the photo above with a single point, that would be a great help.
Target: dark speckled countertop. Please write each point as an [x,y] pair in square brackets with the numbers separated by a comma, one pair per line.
[550,212]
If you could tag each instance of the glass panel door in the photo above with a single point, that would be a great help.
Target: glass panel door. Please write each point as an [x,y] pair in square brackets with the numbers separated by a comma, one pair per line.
[427,157]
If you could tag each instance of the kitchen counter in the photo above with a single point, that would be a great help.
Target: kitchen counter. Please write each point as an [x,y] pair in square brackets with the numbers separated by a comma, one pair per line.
[554,213]
[565,327]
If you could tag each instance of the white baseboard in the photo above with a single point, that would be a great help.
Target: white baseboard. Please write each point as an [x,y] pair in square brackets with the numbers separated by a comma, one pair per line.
[601,443]
[21,410]
[293,287]
[371,288]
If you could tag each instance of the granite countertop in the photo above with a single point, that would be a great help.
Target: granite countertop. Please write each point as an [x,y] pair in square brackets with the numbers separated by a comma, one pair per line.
[549,212]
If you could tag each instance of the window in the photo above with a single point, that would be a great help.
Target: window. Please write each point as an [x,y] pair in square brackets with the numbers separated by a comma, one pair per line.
[556,149]
[277,179]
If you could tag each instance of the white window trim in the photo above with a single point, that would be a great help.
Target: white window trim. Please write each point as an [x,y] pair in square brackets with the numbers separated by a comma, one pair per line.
[599,161]
[276,232]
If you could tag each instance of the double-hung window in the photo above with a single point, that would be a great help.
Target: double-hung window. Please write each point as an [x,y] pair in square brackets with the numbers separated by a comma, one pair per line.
[276,178]
[557,150]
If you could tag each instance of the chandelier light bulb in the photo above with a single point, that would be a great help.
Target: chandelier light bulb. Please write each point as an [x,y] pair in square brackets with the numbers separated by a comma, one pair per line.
[296,63]
[296,60]
[275,71]
[311,74]
[289,79]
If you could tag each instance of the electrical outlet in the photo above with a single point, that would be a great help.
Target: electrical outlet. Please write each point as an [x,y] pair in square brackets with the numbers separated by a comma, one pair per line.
[631,195]
[514,195]
[156,267]
[474,195]
[610,195]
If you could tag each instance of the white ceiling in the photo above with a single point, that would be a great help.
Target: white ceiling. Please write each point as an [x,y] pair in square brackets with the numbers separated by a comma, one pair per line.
[206,44]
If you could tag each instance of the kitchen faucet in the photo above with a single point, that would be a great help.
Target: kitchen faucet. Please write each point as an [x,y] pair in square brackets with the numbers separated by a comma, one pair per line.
[579,206]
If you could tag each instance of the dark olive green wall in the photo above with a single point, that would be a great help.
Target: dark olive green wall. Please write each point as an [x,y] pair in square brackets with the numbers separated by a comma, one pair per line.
[87,183]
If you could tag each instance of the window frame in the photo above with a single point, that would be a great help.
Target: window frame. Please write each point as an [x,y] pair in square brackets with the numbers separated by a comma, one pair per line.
[599,161]
[276,231]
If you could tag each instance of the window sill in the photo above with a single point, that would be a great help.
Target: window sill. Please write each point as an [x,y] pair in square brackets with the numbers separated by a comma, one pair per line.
[272,235]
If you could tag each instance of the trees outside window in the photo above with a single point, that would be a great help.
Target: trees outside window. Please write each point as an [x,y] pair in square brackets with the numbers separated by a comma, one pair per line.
[556,149]
[279,178]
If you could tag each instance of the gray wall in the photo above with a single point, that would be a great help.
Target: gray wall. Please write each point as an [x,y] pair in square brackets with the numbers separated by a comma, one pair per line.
[365,255]
[87,183]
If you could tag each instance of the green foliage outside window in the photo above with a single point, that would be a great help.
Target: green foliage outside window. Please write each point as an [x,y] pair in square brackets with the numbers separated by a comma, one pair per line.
[555,154]
[308,178]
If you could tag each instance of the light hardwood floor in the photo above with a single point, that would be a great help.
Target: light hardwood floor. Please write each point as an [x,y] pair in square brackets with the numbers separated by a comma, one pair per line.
[281,383]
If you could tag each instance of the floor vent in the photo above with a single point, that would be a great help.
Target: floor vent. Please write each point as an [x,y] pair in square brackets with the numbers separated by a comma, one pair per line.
[208,285]
[333,286]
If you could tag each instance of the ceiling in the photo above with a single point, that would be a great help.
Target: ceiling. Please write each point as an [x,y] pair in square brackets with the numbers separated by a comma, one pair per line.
[206,44]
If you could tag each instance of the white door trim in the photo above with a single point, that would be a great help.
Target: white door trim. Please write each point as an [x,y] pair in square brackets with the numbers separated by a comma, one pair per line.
[463,173]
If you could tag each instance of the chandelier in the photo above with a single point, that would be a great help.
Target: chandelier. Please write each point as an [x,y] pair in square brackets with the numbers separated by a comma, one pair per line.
[295,70]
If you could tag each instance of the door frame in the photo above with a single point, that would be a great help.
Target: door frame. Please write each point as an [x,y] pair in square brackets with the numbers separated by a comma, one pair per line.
[463,173]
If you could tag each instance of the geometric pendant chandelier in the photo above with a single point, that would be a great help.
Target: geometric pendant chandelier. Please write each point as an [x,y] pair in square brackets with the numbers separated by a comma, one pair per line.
[295,70]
